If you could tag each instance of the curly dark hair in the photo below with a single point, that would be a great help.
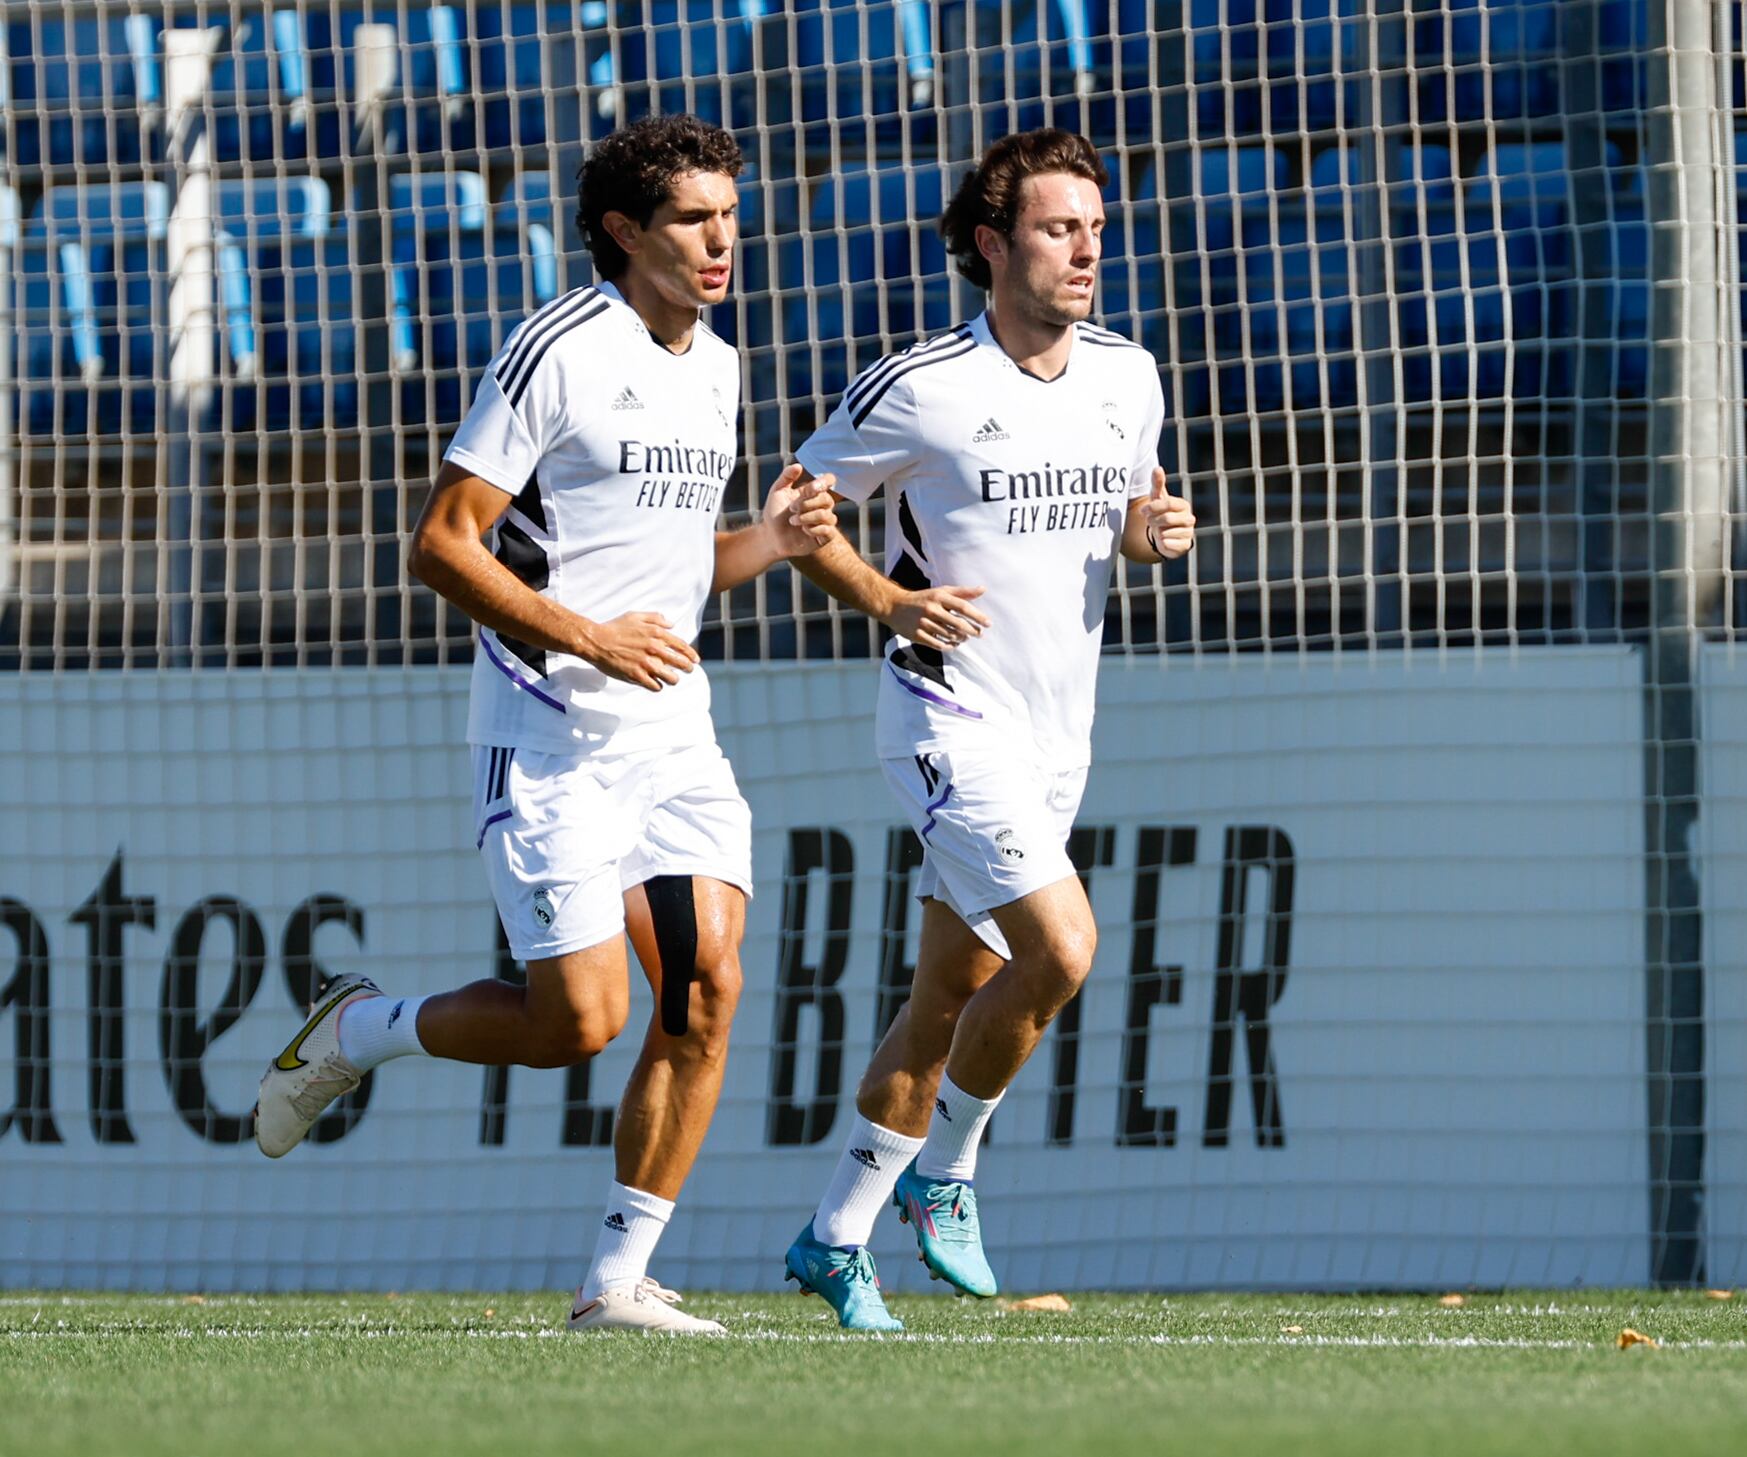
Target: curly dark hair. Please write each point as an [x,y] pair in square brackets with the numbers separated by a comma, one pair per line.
[989,196]
[633,172]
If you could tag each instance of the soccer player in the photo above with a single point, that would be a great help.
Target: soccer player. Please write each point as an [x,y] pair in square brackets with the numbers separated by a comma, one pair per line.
[1019,452]
[597,449]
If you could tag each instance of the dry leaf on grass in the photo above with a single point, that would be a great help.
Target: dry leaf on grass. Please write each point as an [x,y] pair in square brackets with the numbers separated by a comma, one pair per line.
[1630,1338]
[194,1300]
[1719,1294]
[1452,1300]
[1056,1304]
[1291,1330]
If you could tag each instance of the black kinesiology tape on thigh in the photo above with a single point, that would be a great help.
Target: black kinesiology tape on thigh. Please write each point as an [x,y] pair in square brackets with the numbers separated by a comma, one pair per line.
[676,940]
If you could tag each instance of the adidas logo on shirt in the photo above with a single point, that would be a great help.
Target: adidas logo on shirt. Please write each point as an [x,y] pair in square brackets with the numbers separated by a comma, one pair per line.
[990,431]
[627,400]
[865,1157]
[616,1221]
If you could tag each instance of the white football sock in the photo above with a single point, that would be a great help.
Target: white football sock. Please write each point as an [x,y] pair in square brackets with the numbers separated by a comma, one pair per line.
[627,1239]
[377,1028]
[867,1172]
[955,1133]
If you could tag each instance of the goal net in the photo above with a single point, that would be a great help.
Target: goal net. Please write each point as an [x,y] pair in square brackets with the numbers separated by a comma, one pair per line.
[1413,832]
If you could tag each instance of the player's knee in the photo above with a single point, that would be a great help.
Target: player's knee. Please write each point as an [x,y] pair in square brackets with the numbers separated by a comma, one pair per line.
[1065,960]
[715,994]
[577,1034]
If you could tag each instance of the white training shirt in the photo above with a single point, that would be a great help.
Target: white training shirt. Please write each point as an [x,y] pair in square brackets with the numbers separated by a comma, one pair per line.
[617,452]
[1001,480]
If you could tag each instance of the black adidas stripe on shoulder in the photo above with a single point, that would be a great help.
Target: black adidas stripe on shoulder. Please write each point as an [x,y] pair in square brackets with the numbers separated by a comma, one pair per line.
[870,399]
[515,348]
[559,317]
[871,377]
[1109,338]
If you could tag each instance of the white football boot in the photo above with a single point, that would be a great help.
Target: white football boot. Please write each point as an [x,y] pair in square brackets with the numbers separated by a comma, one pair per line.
[645,1306]
[310,1073]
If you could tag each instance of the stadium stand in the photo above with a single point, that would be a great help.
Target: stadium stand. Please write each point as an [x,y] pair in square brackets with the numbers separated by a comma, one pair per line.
[1263,254]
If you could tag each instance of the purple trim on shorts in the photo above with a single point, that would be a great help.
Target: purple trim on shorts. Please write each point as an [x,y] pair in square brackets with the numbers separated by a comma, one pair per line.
[520,682]
[935,698]
[502,814]
[931,809]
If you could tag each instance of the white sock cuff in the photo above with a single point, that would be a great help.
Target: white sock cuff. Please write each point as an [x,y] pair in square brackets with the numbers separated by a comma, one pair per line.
[623,1197]
[865,1133]
[955,1133]
[957,1099]
[379,1028]
[867,1171]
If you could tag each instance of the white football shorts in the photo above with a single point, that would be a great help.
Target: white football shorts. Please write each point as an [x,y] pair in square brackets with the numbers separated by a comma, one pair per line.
[565,836]
[993,829]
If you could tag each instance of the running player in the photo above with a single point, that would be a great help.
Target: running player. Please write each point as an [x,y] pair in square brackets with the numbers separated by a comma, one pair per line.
[1019,452]
[597,450]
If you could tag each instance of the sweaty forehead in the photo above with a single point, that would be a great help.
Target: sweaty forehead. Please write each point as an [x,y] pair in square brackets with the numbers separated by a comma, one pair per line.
[1060,194]
[696,191]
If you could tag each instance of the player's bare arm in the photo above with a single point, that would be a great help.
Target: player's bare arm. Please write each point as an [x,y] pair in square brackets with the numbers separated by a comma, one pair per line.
[1160,527]
[448,555]
[797,519]
[935,617]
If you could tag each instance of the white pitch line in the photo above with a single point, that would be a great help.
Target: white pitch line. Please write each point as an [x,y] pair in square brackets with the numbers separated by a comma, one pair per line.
[918,1338]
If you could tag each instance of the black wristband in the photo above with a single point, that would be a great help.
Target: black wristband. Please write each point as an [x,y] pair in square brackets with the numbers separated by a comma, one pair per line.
[1153,544]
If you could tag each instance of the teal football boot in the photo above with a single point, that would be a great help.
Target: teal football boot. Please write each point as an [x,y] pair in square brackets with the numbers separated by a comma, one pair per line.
[943,1213]
[845,1276]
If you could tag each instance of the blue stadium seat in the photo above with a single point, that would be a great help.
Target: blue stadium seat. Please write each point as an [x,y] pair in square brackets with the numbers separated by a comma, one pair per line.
[1139,313]
[1511,236]
[1134,41]
[1628,286]
[1316,265]
[666,43]
[260,87]
[1511,46]
[1625,42]
[1225,43]
[879,272]
[1029,50]
[1235,217]
[1429,263]
[1304,45]
[92,273]
[306,337]
[1133,235]
[855,59]
[509,45]
[463,275]
[76,87]
[530,207]
[769,261]
[423,209]
[255,223]
[434,85]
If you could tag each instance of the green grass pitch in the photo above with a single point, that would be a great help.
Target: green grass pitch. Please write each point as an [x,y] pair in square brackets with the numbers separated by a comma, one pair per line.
[332,1376]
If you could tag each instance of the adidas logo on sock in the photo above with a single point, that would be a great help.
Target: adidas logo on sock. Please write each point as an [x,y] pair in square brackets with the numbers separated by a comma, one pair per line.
[865,1157]
[940,1108]
[615,1220]
[627,400]
[991,431]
